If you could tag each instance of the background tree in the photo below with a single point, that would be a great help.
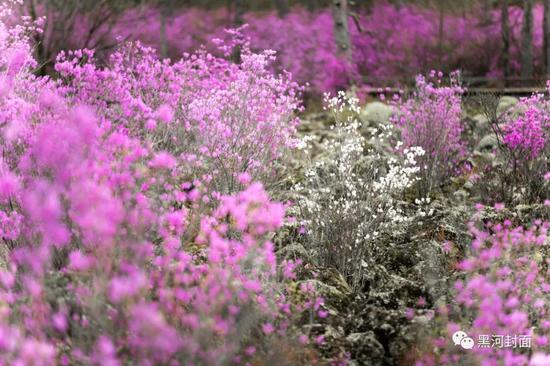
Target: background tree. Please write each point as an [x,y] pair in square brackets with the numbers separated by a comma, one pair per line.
[166,8]
[487,6]
[505,25]
[240,9]
[441,35]
[527,40]
[73,25]
[341,28]
[282,7]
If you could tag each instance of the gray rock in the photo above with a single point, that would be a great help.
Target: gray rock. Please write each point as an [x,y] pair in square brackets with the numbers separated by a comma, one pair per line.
[376,112]
[366,349]
[481,123]
[335,293]
[462,194]
[294,251]
[505,103]
[487,143]
[4,257]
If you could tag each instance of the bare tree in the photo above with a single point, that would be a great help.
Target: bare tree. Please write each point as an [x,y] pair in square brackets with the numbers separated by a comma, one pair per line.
[546,33]
[239,12]
[505,26]
[92,20]
[441,35]
[310,5]
[487,7]
[398,3]
[527,40]
[282,7]
[164,9]
[341,29]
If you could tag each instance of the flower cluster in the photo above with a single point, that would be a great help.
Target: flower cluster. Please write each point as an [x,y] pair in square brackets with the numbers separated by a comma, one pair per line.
[505,293]
[350,194]
[218,117]
[431,119]
[124,247]
[382,52]
[529,132]
[523,135]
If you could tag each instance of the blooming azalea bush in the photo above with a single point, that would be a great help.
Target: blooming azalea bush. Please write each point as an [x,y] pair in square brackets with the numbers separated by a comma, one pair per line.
[526,146]
[298,33]
[222,119]
[503,300]
[125,243]
[138,224]
[518,171]
[382,52]
[527,134]
[431,119]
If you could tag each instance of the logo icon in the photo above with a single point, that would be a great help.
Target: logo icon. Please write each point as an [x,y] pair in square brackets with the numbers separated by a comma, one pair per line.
[462,339]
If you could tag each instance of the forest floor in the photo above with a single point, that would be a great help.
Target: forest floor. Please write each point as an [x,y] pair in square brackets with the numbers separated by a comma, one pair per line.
[389,319]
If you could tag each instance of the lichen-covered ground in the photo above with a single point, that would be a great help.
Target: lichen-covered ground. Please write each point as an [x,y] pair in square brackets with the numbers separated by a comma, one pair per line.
[411,270]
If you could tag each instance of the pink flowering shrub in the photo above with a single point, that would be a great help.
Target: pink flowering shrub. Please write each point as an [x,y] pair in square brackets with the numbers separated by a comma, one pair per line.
[220,118]
[523,135]
[526,133]
[529,133]
[305,44]
[303,41]
[114,256]
[504,299]
[431,119]
[382,54]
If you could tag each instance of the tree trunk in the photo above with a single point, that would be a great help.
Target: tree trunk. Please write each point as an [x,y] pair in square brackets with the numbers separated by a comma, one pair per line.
[487,7]
[282,8]
[527,40]
[238,20]
[239,12]
[310,5]
[163,40]
[341,29]
[546,33]
[505,26]
[229,7]
[398,4]
[441,36]
[39,47]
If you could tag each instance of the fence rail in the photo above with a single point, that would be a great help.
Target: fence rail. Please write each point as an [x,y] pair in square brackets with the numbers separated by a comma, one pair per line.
[477,85]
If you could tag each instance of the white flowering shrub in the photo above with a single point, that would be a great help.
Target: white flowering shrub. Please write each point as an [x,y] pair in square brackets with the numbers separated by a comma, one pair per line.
[350,193]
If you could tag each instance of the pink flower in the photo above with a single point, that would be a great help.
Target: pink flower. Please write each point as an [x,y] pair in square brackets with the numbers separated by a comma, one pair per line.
[539,359]
[163,160]
[60,322]
[244,178]
[322,314]
[165,113]
[499,206]
[268,328]
[151,124]
[9,186]
[78,261]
